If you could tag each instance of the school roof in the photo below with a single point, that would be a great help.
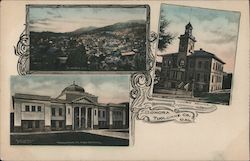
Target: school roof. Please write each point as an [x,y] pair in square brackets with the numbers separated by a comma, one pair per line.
[203,53]
[197,53]
[32,97]
[62,101]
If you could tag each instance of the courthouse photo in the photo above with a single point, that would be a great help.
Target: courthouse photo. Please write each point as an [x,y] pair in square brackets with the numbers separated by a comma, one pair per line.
[73,110]
[184,71]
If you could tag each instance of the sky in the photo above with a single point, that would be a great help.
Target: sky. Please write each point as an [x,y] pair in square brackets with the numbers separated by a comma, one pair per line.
[216,31]
[109,89]
[67,19]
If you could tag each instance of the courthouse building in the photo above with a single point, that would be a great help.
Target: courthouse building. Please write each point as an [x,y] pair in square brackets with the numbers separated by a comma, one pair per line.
[189,69]
[73,109]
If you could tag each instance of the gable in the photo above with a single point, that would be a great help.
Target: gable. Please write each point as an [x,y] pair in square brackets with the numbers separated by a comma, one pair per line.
[83,100]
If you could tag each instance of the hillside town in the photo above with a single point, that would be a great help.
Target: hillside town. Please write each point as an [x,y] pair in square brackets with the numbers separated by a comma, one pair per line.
[114,48]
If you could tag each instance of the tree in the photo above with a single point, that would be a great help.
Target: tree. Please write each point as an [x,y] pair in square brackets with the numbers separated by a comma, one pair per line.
[165,38]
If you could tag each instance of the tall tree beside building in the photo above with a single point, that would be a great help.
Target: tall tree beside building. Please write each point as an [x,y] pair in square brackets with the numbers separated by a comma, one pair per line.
[165,37]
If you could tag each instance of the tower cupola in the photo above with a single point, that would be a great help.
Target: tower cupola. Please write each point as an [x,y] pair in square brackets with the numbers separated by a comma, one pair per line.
[187,40]
[188,29]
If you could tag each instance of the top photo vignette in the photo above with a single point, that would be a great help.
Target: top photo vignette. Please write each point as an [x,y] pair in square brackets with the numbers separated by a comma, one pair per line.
[66,38]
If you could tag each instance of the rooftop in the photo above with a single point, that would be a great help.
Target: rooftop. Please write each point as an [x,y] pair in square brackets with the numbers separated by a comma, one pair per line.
[32,97]
[203,53]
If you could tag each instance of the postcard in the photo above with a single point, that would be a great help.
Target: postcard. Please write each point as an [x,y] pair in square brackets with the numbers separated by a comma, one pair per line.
[124,80]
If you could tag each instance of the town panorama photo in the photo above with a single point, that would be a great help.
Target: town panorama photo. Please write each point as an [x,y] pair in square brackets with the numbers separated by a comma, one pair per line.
[87,38]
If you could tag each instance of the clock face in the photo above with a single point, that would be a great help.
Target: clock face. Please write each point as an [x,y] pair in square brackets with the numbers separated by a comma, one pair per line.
[182,63]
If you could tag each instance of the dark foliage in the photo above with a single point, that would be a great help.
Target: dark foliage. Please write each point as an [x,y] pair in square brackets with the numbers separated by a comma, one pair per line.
[107,48]
[165,37]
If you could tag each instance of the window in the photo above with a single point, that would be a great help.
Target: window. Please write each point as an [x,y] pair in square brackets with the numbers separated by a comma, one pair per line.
[53,111]
[198,77]
[60,111]
[213,66]
[206,65]
[199,64]
[99,113]
[192,64]
[205,78]
[174,75]
[169,63]
[60,124]
[53,123]
[37,124]
[29,124]
[191,76]
[168,73]
[39,108]
[95,112]
[103,113]
[27,108]
[33,108]
[68,110]
[212,80]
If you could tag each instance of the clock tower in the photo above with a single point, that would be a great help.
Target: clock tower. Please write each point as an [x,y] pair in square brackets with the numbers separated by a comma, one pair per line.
[186,45]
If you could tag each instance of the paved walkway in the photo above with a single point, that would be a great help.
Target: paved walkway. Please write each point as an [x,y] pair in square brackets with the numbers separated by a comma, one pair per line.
[116,133]
[111,133]
[179,97]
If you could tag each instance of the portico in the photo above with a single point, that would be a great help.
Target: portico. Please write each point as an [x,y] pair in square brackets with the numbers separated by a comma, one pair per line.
[82,118]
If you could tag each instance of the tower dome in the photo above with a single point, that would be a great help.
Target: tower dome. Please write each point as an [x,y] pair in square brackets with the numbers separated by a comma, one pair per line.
[73,88]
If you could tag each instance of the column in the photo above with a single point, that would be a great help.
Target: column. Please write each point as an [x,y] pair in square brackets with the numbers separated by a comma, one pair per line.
[95,110]
[80,119]
[69,115]
[73,118]
[123,118]
[47,117]
[86,117]
[17,117]
[92,118]
[110,119]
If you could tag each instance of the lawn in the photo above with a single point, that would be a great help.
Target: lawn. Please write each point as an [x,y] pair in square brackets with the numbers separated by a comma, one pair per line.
[67,138]
[220,98]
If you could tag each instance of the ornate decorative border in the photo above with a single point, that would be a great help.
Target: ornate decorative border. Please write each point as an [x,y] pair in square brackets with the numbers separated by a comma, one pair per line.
[155,110]
[22,50]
